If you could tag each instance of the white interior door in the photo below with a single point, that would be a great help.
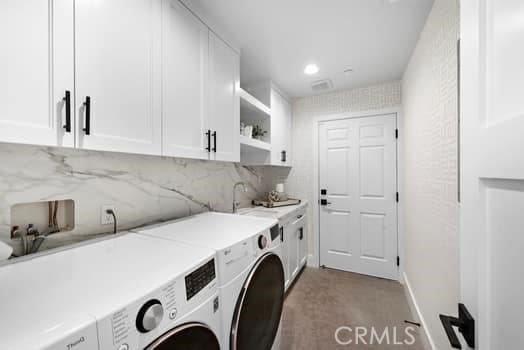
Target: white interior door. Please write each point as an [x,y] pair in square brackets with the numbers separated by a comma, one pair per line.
[118,68]
[492,208]
[358,219]
[37,69]
[185,57]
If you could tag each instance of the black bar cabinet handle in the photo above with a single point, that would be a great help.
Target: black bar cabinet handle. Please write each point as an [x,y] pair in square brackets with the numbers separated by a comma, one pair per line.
[67,100]
[215,141]
[208,134]
[281,234]
[301,234]
[87,106]
[283,156]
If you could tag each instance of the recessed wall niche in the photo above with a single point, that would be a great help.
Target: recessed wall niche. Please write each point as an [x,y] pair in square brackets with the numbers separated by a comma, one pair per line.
[43,218]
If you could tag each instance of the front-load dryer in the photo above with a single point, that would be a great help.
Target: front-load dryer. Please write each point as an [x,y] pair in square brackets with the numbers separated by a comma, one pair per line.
[250,272]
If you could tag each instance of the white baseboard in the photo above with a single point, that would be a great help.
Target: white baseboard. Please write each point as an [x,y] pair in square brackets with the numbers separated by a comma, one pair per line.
[427,341]
[312,262]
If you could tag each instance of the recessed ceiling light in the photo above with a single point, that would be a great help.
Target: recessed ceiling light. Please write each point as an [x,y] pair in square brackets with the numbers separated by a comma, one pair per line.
[311,69]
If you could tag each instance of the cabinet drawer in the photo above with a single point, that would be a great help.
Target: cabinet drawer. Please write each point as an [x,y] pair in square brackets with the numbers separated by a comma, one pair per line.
[298,221]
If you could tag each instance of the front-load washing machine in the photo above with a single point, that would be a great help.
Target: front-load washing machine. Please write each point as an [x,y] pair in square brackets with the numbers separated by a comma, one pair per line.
[40,306]
[130,292]
[147,293]
[250,272]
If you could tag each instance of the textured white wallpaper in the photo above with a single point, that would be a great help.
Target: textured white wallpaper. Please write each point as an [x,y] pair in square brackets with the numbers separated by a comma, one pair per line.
[429,97]
[299,183]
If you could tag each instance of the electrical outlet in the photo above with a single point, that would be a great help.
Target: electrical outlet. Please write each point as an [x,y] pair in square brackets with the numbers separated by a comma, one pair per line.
[105,218]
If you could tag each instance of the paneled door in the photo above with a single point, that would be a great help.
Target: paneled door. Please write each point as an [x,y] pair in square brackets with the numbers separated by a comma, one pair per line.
[37,75]
[224,101]
[118,75]
[280,130]
[185,57]
[358,182]
[492,170]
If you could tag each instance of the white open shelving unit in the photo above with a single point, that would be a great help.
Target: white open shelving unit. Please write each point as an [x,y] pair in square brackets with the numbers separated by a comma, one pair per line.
[251,144]
[254,112]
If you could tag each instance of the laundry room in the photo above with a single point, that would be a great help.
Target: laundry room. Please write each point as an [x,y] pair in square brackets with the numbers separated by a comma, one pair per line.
[261,175]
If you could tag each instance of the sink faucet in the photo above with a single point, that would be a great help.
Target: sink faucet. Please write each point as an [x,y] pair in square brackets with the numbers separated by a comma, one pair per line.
[244,189]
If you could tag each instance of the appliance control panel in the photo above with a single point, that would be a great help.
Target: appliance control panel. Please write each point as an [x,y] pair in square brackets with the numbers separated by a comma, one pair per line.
[137,324]
[200,278]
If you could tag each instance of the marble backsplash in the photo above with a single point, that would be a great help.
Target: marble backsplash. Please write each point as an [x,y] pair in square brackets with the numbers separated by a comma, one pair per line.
[143,189]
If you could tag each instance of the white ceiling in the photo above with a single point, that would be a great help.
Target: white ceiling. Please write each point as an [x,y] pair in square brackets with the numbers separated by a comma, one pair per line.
[278,38]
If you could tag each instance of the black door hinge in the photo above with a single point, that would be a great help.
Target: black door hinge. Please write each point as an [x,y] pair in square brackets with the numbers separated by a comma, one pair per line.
[398,260]
[396,133]
[398,197]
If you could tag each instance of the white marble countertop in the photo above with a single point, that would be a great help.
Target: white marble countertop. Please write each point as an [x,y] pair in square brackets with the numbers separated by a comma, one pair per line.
[280,213]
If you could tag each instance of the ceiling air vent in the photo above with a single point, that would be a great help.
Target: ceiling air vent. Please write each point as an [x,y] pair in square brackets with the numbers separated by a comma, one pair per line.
[321,85]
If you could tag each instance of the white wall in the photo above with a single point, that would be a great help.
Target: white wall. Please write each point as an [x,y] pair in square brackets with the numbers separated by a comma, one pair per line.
[299,183]
[429,98]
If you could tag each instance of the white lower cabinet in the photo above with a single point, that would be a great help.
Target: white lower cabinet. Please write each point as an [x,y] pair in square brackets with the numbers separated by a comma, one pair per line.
[294,250]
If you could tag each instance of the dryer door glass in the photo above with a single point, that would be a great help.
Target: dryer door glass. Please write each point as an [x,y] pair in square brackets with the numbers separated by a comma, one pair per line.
[259,306]
[191,336]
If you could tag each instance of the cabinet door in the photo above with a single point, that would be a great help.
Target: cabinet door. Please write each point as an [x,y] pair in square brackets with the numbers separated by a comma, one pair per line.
[185,57]
[118,69]
[302,246]
[37,70]
[293,251]
[280,129]
[287,140]
[285,254]
[224,108]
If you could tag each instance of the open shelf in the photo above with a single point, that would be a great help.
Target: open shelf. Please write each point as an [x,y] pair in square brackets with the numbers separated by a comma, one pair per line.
[250,144]
[251,107]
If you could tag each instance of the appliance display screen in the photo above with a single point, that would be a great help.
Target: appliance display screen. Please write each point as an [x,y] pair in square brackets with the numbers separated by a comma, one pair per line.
[275,232]
[200,278]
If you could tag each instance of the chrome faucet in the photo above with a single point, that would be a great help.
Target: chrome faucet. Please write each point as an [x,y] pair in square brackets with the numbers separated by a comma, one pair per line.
[244,189]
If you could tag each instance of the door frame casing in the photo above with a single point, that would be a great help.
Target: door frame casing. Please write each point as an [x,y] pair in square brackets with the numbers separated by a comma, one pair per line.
[314,260]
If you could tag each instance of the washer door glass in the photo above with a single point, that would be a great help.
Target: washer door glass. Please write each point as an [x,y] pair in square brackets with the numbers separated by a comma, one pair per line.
[191,336]
[259,306]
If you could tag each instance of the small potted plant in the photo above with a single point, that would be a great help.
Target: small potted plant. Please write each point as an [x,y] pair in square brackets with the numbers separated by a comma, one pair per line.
[258,132]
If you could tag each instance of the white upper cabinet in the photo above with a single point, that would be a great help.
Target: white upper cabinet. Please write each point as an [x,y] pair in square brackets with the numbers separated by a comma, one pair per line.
[118,75]
[36,72]
[224,100]
[185,57]
[280,130]
[134,76]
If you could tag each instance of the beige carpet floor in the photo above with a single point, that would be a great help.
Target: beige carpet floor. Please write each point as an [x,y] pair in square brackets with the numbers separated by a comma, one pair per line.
[323,300]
